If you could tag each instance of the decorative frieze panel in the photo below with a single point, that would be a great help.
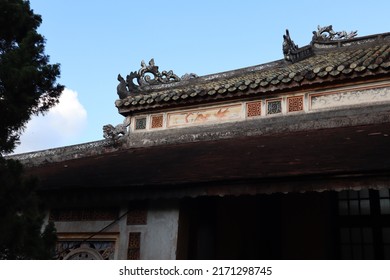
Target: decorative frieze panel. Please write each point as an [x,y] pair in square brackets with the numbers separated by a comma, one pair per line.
[295,103]
[157,121]
[205,116]
[253,109]
[347,98]
[140,123]
[267,106]
[274,107]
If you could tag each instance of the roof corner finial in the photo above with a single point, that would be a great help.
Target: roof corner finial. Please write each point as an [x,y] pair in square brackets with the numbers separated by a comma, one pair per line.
[327,33]
[128,87]
[115,133]
[292,52]
[288,46]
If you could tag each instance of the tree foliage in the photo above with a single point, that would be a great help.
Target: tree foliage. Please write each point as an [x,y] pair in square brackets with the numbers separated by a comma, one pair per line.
[27,80]
[27,86]
[21,219]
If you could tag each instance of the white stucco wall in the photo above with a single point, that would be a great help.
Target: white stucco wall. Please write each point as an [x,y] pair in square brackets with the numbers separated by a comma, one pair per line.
[158,237]
[159,240]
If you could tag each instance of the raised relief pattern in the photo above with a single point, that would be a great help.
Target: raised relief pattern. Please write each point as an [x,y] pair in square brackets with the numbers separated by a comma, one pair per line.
[274,107]
[254,109]
[330,100]
[295,104]
[157,121]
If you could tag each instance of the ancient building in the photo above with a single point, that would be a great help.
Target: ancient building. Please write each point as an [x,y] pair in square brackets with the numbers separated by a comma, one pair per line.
[284,160]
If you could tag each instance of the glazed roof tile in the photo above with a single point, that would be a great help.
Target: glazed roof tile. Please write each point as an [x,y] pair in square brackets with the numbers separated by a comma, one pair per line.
[329,62]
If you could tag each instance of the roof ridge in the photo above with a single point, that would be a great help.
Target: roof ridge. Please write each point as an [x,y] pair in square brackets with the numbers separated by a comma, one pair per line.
[323,60]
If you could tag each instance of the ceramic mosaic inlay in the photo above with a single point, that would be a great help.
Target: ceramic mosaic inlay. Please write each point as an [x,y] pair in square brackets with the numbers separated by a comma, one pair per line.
[157,121]
[134,248]
[331,100]
[204,116]
[295,104]
[140,123]
[253,109]
[274,107]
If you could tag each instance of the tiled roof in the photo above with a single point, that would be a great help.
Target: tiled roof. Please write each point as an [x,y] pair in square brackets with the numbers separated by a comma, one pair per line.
[328,62]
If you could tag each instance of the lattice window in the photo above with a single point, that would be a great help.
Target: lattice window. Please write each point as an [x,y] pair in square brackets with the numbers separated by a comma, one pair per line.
[134,248]
[65,215]
[140,123]
[157,121]
[253,109]
[295,104]
[274,107]
[137,217]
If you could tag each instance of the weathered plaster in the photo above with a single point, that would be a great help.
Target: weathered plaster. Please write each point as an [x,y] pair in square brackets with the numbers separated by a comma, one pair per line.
[160,239]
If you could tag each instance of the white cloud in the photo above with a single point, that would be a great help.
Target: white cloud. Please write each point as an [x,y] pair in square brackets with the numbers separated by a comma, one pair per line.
[60,126]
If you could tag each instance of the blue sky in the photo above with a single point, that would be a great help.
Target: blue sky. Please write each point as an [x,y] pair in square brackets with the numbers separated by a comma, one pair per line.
[95,40]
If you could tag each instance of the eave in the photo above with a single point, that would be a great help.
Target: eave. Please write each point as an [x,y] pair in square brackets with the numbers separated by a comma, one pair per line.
[321,151]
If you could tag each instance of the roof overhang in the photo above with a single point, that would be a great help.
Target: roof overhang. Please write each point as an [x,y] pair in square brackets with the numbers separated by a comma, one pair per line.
[319,151]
